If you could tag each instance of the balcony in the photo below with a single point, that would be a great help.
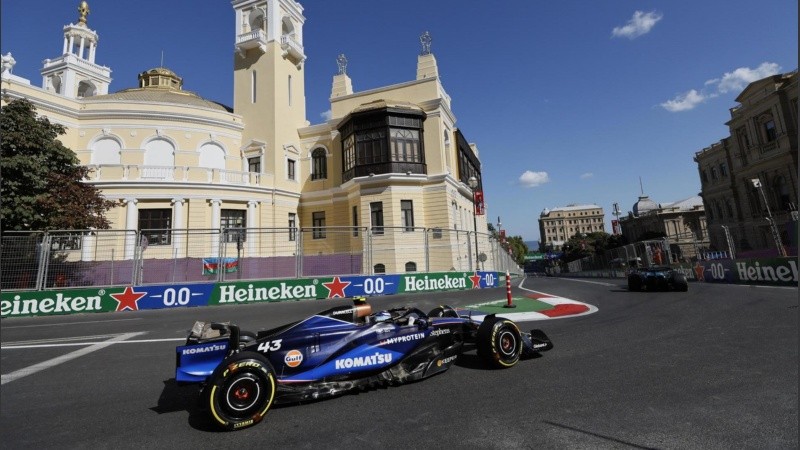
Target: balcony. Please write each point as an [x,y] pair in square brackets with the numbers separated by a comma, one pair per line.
[106,173]
[292,49]
[254,39]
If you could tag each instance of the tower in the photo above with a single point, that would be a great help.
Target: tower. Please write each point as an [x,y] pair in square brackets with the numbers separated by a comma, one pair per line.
[74,74]
[269,84]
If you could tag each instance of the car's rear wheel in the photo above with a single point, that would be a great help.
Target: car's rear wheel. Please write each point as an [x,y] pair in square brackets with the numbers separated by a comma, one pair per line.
[499,342]
[681,283]
[241,391]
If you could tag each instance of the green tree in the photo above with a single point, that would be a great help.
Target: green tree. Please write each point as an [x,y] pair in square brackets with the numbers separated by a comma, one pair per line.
[42,179]
[518,249]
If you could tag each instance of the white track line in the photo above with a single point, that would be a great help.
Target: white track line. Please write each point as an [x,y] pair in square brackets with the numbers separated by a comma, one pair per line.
[17,345]
[7,378]
[69,323]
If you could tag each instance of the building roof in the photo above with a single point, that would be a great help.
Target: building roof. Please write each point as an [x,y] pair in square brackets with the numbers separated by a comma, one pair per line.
[154,95]
[571,207]
[644,205]
[687,204]
[153,90]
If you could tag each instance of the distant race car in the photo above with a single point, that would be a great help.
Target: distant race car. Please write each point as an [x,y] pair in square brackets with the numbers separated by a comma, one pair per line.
[242,374]
[657,278]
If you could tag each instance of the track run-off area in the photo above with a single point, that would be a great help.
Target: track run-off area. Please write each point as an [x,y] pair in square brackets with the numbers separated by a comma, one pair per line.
[715,367]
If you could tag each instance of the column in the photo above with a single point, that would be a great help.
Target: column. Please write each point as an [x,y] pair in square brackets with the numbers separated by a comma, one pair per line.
[80,51]
[66,46]
[215,219]
[131,222]
[251,225]
[71,43]
[92,48]
[178,231]
[88,246]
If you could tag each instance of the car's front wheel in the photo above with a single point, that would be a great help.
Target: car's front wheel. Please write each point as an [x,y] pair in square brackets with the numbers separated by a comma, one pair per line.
[241,391]
[681,283]
[499,342]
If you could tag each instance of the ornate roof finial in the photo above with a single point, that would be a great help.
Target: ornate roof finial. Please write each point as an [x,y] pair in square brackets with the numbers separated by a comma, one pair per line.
[83,10]
[425,40]
[341,61]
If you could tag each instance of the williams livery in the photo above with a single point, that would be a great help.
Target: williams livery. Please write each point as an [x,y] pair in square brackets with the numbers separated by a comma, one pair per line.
[242,374]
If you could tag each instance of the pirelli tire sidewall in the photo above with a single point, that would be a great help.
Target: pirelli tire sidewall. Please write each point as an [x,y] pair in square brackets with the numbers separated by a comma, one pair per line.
[499,342]
[241,391]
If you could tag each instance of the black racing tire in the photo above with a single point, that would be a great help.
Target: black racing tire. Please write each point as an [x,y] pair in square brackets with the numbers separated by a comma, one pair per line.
[240,391]
[634,284]
[499,342]
[681,283]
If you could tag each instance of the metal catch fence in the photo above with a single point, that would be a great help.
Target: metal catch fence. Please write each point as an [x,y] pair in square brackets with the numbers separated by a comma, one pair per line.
[78,258]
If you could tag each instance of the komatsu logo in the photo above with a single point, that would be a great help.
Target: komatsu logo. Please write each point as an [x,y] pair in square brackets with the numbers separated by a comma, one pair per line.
[210,348]
[364,361]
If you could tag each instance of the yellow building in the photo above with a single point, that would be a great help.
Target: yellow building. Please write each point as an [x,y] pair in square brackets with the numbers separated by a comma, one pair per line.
[558,225]
[390,162]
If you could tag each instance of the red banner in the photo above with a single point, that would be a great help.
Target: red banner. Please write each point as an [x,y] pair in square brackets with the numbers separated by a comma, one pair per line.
[478,201]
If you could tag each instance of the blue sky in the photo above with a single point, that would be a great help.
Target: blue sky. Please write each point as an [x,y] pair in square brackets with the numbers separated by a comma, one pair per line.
[568,101]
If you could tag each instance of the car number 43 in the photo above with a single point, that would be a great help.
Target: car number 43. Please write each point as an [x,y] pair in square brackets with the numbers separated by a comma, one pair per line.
[270,346]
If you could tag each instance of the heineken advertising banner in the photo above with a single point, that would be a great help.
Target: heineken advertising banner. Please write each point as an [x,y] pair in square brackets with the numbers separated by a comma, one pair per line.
[134,298]
[771,271]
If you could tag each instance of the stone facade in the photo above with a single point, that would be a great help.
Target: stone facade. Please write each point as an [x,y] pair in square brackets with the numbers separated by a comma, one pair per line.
[178,161]
[557,225]
[757,162]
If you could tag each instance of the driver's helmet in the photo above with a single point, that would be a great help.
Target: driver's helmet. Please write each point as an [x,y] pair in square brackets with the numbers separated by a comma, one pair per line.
[383,316]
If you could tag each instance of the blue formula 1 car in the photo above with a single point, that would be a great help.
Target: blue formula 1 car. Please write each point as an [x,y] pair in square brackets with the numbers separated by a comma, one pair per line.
[242,374]
[657,278]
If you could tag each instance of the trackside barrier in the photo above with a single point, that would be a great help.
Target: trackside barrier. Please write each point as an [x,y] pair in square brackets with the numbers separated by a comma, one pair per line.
[763,271]
[160,296]
[92,258]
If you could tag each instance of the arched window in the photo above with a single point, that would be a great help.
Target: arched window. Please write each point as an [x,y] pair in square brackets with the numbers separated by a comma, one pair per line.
[379,268]
[159,159]
[256,19]
[212,156]
[319,165]
[411,266]
[55,84]
[106,151]
[86,89]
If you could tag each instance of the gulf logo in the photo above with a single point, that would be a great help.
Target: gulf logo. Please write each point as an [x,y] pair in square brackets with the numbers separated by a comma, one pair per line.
[293,358]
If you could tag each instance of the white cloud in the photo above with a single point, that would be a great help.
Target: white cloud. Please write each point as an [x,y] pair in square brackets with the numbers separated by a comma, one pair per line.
[587,175]
[729,82]
[533,179]
[641,23]
[685,101]
[741,77]
[326,116]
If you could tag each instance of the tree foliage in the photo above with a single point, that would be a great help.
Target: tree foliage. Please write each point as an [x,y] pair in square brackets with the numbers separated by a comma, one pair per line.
[42,184]
[518,249]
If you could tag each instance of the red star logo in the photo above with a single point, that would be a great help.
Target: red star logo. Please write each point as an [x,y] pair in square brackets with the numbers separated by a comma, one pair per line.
[128,299]
[698,272]
[476,281]
[336,287]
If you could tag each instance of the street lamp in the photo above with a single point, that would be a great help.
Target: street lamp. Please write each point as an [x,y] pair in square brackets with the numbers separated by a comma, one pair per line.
[473,184]
[775,235]
[731,254]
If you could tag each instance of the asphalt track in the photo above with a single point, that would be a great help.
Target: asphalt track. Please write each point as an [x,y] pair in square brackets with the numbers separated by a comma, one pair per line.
[716,367]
